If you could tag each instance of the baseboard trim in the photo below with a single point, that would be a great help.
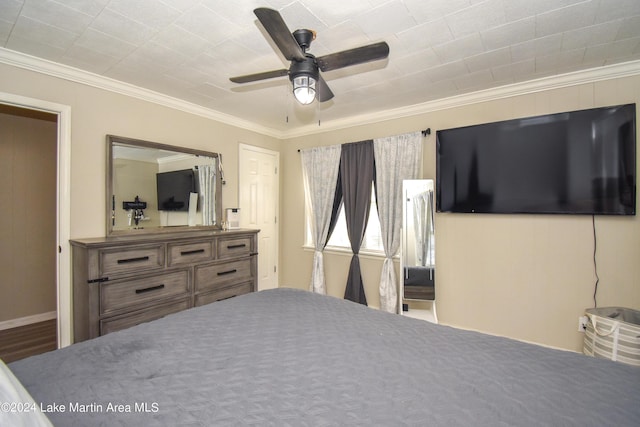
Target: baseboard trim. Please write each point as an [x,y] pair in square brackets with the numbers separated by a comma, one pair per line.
[27,320]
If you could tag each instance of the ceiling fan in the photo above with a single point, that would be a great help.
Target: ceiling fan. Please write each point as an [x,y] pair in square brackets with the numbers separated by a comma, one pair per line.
[304,71]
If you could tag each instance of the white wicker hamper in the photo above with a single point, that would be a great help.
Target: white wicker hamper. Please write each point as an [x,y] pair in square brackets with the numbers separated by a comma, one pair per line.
[613,333]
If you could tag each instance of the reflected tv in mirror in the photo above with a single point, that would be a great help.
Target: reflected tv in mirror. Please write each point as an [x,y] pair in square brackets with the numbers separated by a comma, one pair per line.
[174,189]
[578,162]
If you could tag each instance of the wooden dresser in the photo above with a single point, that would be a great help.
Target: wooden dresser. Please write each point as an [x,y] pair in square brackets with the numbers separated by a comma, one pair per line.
[120,282]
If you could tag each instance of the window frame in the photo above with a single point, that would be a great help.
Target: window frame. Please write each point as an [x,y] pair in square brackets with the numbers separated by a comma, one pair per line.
[338,249]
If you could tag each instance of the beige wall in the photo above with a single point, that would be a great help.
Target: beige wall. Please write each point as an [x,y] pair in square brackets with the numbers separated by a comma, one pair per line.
[96,113]
[527,277]
[27,216]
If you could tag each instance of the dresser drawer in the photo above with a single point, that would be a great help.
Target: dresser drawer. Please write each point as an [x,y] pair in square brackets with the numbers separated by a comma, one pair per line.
[127,293]
[215,276]
[187,253]
[122,281]
[127,260]
[134,318]
[228,248]
[225,293]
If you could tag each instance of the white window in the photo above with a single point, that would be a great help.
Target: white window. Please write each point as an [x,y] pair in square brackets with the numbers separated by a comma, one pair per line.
[372,241]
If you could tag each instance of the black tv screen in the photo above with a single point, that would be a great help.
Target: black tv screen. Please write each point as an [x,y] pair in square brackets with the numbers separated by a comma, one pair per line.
[579,162]
[174,189]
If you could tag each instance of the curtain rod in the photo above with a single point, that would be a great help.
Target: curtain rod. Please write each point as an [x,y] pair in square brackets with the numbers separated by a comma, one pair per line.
[424,132]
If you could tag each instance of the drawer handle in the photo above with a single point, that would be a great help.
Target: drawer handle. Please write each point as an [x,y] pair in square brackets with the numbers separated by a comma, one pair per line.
[149,289]
[192,252]
[129,260]
[222,273]
[243,245]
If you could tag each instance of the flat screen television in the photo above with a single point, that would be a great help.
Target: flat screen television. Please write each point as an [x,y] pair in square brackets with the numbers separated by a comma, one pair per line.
[579,162]
[174,189]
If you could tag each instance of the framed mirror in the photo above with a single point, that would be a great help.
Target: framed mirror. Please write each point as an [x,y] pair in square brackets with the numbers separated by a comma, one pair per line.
[154,187]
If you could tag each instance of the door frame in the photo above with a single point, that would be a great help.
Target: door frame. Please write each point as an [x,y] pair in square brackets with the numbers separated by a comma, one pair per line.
[242,147]
[63,207]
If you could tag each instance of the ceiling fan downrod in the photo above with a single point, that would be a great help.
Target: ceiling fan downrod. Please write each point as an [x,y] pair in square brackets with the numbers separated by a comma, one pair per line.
[304,38]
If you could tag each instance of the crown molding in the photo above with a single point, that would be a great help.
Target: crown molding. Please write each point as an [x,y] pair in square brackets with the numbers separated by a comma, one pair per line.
[65,72]
[28,62]
[625,69]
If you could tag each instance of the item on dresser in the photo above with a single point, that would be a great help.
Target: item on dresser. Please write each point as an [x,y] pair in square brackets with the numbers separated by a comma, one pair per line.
[120,282]
[290,357]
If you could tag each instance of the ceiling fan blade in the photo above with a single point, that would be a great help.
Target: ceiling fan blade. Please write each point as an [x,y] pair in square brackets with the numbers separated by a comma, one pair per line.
[274,24]
[324,93]
[259,76]
[359,55]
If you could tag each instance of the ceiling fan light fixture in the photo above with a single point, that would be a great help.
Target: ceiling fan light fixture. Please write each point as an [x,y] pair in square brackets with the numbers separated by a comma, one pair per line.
[304,89]
[304,71]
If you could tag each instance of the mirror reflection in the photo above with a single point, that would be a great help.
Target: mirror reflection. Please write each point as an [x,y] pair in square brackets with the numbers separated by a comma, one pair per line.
[418,251]
[153,186]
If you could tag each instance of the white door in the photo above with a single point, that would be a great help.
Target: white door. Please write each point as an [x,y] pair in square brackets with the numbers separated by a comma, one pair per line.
[258,196]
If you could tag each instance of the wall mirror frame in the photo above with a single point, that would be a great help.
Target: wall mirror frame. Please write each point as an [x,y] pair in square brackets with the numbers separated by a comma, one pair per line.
[418,243]
[132,165]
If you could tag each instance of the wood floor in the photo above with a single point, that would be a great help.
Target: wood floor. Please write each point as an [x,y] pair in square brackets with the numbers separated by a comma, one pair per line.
[18,343]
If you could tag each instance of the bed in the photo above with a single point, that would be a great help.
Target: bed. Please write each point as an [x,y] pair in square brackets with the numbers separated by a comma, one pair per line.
[288,357]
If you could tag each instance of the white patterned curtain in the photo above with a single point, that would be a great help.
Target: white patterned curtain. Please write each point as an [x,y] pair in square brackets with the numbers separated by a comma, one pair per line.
[397,158]
[207,180]
[320,173]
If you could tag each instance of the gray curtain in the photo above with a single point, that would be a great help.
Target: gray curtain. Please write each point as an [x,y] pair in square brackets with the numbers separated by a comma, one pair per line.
[357,169]
[320,167]
[397,158]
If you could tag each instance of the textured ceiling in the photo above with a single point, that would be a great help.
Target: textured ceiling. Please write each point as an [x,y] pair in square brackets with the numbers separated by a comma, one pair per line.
[188,49]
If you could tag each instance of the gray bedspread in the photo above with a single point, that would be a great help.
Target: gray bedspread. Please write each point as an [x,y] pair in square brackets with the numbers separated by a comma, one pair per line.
[292,358]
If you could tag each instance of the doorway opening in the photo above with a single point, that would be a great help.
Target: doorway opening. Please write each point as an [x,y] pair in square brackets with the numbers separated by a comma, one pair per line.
[55,247]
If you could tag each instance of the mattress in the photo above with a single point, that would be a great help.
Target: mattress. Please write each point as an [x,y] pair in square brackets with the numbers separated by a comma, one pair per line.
[287,357]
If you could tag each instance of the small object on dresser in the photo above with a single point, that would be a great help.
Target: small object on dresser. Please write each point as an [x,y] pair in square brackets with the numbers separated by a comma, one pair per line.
[233,218]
